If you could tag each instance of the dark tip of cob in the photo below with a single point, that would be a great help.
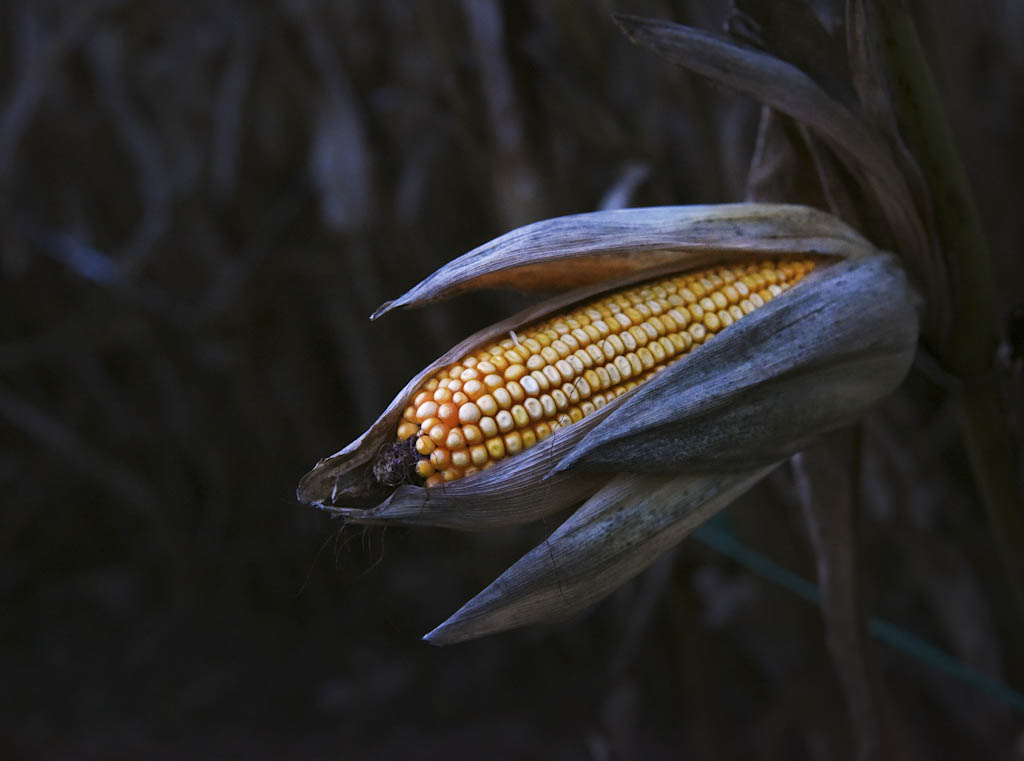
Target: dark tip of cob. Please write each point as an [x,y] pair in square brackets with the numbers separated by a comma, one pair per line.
[396,464]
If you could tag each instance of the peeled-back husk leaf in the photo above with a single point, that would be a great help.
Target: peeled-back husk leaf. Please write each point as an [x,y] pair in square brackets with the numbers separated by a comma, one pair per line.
[624,244]
[814,359]
[617,534]
[523,489]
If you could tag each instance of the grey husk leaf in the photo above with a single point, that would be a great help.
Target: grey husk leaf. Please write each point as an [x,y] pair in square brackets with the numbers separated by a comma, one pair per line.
[615,535]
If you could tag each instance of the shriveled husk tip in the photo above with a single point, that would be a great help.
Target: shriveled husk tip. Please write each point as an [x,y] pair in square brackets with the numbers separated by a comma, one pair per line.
[526,487]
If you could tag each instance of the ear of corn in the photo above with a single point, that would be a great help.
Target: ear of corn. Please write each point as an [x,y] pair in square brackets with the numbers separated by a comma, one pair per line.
[579,255]
[510,395]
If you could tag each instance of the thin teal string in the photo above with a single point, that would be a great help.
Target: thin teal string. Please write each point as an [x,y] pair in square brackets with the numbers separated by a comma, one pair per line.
[722,541]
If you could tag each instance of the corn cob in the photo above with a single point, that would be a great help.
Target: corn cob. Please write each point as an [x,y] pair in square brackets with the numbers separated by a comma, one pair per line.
[508,396]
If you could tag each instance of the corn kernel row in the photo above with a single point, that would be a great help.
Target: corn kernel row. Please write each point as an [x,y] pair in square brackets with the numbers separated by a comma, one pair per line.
[506,397]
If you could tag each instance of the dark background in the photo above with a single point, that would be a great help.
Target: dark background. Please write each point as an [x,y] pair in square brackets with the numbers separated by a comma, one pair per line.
[200,205]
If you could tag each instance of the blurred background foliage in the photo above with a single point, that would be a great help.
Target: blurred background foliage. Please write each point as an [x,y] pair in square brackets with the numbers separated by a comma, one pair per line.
[200,205]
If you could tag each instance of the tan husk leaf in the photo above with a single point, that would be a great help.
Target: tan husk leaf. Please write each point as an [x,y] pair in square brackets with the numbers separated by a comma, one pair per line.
[624,244]
[618,533]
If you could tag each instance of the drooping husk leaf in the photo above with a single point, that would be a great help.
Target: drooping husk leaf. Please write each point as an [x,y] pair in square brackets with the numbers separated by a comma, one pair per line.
[618,533]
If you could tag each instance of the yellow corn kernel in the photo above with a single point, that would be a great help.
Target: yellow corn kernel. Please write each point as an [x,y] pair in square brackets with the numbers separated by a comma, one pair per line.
[407,429]
[507,397]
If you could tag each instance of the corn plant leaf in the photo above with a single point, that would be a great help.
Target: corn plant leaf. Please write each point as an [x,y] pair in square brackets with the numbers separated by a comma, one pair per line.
[827,480]
[867,68]
[789,90]
[802,33]
[789,163]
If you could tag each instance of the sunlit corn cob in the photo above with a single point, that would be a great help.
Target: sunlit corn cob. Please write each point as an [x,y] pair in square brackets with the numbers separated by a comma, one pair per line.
[508,396]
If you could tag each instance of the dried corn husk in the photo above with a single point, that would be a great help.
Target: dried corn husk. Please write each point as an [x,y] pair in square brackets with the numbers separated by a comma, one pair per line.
[704,429]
